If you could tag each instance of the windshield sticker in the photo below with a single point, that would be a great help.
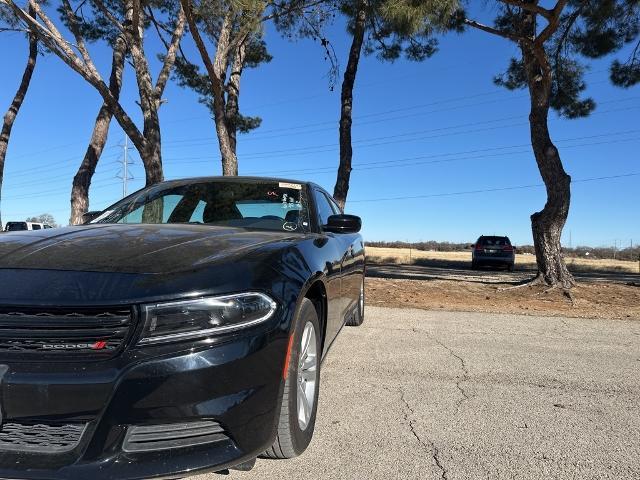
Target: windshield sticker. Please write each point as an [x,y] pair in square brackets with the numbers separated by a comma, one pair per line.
[102,216]
[290,203]
[293,186]
[289,226]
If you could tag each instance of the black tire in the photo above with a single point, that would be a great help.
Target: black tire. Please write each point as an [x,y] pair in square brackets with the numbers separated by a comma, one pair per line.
[358,317]
[474,265]
[291,440]
[511,267]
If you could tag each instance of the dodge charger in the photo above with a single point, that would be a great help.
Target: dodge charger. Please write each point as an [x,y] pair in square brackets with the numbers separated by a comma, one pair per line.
[179,331]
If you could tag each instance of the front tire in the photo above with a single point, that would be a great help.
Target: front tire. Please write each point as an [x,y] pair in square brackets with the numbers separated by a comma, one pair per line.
[301,389]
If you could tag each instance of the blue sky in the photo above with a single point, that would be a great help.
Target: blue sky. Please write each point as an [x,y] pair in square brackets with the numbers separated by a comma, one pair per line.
[432,131]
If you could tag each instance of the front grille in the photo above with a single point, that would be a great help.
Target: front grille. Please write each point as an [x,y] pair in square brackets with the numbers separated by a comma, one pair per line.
[63,332]
[172,435]
[40,438]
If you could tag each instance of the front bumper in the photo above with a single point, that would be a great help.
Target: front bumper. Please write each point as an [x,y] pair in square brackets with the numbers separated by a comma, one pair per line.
[236,383]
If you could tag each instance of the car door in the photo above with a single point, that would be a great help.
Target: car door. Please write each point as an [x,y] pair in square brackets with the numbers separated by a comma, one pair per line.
[352,265]
[333,250]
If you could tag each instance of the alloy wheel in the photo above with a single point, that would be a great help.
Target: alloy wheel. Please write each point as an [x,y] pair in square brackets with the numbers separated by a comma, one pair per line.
[307,375]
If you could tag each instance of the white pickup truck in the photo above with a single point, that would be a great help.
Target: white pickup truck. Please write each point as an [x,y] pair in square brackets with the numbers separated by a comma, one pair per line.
[18,226]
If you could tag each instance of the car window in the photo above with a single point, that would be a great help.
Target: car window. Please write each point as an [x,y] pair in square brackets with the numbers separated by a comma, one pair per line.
[325,210]
[16,226]
[35,226]
[266,205]
[494,241]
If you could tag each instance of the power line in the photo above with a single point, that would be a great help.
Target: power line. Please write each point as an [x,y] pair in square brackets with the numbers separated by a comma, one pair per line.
[49,192]
[394,163]
[435,158]
[55,166]
[366,143]
[489,190]
[386,81]
[443,101]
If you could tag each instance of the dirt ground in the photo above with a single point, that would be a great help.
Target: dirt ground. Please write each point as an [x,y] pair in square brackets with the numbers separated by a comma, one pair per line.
[591,300]
[445,281]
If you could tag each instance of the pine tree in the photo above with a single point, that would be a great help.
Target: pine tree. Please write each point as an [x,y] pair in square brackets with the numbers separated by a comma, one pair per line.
[388,28]
[554,45]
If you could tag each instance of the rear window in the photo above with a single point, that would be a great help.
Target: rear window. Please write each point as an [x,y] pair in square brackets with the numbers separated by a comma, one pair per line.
[16,226]
[494,241]
[35,226]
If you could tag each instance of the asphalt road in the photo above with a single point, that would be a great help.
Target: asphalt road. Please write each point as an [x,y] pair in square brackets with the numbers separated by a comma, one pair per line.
[485,275]
[437,395]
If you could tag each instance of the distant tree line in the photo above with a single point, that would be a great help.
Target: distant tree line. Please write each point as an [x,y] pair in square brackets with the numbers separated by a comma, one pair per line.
[554,42]
[628,253]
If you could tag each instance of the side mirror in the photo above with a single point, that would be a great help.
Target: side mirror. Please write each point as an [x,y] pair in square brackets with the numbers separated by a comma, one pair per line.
[87,217]
[343,224]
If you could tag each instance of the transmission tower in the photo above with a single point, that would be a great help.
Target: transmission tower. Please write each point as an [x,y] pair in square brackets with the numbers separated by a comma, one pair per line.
[125,173]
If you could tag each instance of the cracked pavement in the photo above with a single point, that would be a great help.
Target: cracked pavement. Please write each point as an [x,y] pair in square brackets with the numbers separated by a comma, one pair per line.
[416,394]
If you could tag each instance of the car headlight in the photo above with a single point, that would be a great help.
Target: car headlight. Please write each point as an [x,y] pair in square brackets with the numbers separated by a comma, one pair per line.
[203,317]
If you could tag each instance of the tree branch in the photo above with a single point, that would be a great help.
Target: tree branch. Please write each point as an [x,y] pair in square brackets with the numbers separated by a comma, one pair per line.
[530,7]
[21,30]
[296,8]
[107,13]
[52,38]
[554,20]
[170,57]
[157,26]
[75,30]
[197,38]
[495,31]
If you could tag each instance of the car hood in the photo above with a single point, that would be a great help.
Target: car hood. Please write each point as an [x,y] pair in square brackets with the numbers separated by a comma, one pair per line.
[143,249]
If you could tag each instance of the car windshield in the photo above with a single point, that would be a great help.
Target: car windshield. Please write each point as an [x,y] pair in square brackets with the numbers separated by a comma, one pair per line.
[265,205]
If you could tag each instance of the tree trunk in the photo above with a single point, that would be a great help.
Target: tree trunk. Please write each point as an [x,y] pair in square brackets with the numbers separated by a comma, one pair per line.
[82,179]
[220,64]
[341,188]
[547,224]
[232,112]
[12,113]
[150,152]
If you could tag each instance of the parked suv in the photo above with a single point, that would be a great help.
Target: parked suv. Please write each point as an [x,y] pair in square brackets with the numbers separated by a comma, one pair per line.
[496,251]
[18,226]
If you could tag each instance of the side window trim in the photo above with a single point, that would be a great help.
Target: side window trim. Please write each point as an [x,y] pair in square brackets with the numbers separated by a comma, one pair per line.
[318,193]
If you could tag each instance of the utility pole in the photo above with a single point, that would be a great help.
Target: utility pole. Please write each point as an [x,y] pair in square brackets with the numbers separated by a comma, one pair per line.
[125,162]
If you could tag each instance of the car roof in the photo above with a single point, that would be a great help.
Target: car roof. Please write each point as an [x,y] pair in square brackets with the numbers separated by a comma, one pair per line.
[239,178]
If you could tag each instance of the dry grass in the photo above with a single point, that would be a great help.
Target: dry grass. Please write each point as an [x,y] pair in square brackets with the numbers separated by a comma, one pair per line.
[404,256]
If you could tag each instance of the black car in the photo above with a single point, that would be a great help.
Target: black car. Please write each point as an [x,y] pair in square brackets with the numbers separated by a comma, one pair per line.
[494,251]
[180,331]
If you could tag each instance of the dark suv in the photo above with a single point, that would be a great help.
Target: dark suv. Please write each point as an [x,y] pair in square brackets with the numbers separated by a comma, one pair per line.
[495,251]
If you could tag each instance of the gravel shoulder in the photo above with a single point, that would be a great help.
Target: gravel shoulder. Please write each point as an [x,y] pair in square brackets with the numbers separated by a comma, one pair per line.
[415,394]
